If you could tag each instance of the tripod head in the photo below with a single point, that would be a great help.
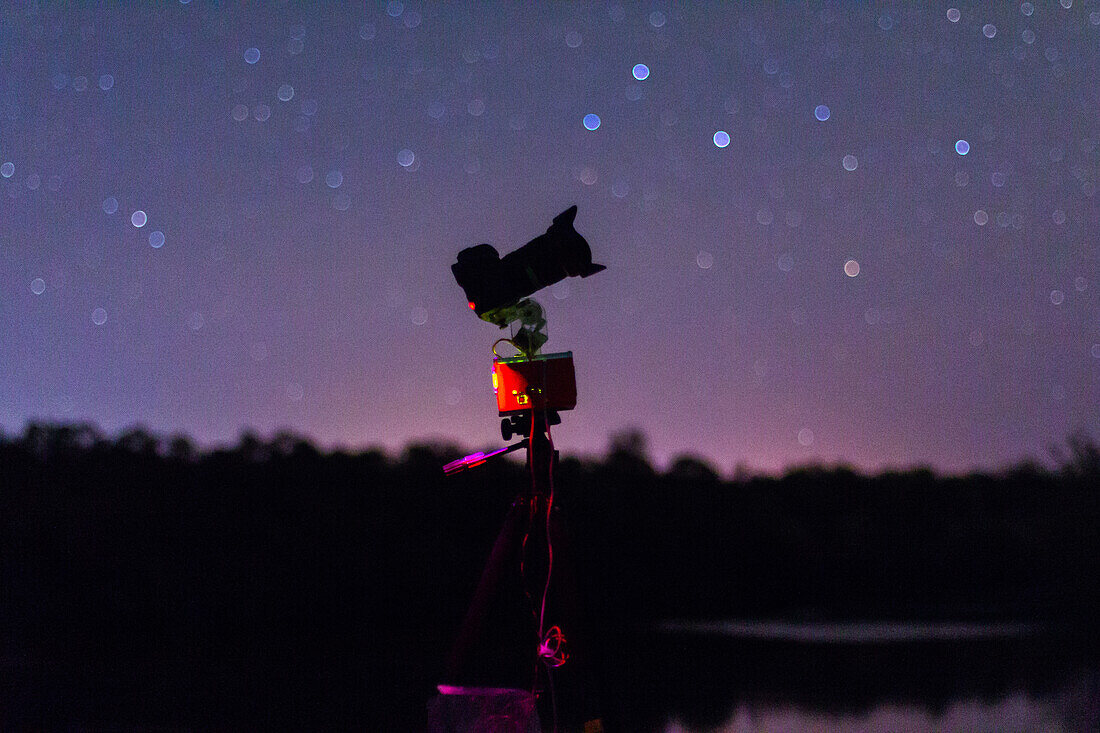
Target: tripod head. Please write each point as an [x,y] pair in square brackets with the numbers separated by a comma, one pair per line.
[518,425]
[521,424]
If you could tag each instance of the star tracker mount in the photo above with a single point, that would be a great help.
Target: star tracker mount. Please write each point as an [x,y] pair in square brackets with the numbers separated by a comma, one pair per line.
[531,390]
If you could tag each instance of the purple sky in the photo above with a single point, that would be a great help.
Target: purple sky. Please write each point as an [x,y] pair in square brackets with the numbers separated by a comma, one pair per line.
[308,206]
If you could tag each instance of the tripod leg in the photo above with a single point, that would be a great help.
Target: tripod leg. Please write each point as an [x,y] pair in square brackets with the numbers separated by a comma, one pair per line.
[504,559]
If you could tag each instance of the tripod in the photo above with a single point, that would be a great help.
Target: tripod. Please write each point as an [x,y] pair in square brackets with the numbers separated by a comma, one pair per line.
[522,628]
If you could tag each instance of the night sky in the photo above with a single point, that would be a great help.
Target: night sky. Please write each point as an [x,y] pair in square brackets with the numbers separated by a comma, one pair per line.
[863,233]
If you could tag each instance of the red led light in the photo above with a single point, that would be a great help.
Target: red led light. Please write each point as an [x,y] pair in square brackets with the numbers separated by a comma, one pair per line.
[471,304]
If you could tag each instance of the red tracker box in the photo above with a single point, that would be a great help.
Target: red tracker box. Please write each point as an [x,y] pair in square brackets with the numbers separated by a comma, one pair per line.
[546,382]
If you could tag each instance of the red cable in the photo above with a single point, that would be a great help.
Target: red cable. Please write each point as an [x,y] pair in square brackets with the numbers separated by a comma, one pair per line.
[550,648]
[527,534]
[549,543]
[531,514]
[551,642]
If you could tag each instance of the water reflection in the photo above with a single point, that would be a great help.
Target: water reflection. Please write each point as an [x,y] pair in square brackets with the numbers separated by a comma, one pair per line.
[1016,712]
[777,675]
[858,632]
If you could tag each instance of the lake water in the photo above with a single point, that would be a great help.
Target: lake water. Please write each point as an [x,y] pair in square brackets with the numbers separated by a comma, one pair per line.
[857,632]
[675,677]
[735,676]
[1014,713]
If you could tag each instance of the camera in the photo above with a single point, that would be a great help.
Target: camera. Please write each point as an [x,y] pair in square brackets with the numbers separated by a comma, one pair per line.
[494,285]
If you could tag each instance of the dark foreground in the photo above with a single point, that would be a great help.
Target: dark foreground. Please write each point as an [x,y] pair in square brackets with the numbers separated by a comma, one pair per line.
[698,681]
[144,585]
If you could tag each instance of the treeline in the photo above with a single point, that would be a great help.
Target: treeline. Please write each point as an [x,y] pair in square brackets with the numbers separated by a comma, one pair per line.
[144,581]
